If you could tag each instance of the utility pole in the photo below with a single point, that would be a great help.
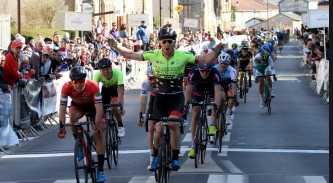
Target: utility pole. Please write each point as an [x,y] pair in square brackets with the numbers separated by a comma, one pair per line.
[267,15]
[160,15]
[19,15]
[170,8]
[143,6]
[188,13]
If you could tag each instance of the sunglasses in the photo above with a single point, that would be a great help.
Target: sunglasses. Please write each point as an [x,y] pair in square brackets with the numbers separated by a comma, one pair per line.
[78,81]
[150,78]
[168,41]
[224,63]
[205,70]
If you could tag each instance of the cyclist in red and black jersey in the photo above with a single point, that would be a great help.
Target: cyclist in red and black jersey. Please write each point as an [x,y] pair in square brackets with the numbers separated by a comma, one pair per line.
[85,97]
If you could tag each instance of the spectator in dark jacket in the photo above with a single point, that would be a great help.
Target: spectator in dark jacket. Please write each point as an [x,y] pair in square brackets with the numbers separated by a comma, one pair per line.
[142,34]
[36,58]
[123,32]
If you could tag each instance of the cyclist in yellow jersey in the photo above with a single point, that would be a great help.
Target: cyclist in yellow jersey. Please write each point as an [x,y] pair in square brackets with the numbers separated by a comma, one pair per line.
[168,65]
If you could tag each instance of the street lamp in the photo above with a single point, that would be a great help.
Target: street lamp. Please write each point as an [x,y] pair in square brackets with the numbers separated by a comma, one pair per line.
[254,16]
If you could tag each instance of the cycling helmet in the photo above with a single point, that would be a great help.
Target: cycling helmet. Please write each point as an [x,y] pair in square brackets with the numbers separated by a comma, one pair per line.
[150,71]
[234,45]
[205,47]
[205,66]
[77,73]
[255,37]
[245,46]
[104,63]
[264,55]
[167,33]
[230,52]
[270,39]
[224,57]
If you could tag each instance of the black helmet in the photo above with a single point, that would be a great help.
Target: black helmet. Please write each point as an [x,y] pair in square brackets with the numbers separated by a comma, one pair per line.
[192,51]
[77,73]
[205,66]
[167,33]
[104,63]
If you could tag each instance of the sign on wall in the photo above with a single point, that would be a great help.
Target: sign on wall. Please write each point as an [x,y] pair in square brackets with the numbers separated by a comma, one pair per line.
[300,6]
[134,20]
[191,22]
[318,18]
[173,21]
[78,21]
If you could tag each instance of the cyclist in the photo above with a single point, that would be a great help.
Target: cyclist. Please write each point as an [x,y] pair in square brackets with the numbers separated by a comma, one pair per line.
[245,62]
[263,65]
[169,65]
[148,85]
[85,97]
[254,45]
[112,89]
[234,48]
[205,50]
[233,61]
[272,45]
[228,82]
[202,78]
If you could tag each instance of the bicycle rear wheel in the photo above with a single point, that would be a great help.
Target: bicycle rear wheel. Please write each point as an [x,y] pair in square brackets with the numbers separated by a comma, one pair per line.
[108,142]
[80,164]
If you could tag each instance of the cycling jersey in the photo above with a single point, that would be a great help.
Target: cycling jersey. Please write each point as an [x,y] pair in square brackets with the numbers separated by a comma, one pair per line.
[260,68]
[89,95]
[146,87]
[116,79]
[244,60]
[228,77]
[169,73]
[201,85]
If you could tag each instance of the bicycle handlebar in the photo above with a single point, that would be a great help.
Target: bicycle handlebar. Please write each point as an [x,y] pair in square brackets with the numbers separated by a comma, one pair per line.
[112,105]
[77,123]
[164,119]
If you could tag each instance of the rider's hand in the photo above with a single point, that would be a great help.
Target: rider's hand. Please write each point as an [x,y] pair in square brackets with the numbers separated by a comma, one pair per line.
[112,42]
[61,133]
[140,122]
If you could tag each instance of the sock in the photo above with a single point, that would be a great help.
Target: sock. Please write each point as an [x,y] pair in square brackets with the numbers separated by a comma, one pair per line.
[100,162]
[212,122]
[120,124]
[175,154]
[155,152]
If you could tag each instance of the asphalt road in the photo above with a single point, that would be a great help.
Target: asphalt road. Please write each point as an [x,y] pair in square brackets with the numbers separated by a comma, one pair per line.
[289,146]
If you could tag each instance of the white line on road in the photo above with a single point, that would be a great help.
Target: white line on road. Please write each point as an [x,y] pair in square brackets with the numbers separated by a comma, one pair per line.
[224,151]
[228,178]
[145,179]
[231,167]
[187,138]
[314,179]
[183,149]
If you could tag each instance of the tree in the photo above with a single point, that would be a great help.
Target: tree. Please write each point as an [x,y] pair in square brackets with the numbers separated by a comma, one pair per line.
[42,14]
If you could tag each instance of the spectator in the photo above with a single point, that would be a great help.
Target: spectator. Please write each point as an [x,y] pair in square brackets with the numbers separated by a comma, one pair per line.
[39,37]
[98,43]
[36,58]
[3,85]
[56,39]
[45,66]
[142,34]
[105,30]
[31,42]
[11,75]
[114,31]
[123,33]
[219,31]
[48,41]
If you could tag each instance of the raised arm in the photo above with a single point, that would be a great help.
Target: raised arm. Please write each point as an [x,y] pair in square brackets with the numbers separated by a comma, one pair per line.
[124,51]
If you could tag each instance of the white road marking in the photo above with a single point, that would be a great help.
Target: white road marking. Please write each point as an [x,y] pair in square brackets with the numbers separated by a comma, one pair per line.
[224,151]
[226,138]
[208,166]
[314,179]
[144,179]
[70,181]
[231,167]
[187,138]
[183,149]
[213,178]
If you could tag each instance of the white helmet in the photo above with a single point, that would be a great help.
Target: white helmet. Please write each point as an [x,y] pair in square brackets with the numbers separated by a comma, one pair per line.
[224,57]
[150,71]
[205,47]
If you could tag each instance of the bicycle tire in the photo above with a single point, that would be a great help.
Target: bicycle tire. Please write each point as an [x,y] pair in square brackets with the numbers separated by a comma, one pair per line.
[162,161]
[204,132]
[92,163]
[108,142]
[81,170]
[115,143]
[221,132]
[197,140]
[245,87]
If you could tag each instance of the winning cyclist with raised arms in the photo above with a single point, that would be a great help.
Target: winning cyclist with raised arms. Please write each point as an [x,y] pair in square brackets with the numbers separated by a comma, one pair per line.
[168,65]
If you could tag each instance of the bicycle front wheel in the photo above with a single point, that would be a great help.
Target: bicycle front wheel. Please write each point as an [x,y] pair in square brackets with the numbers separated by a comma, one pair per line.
[198,141]
[115,144]
[108,142]
[221,131]
[80,162]
[163,164]
[245,87]
[204,140]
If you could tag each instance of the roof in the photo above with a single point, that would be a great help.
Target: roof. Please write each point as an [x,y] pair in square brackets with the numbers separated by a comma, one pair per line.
[292,15]
[324,3]
[259,19]
[249,5]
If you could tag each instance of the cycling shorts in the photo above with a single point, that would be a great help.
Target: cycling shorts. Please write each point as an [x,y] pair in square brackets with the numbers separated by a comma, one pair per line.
[109,93]
[243,65]
[168,104]
[151,105]
[83,109]
[267,70]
